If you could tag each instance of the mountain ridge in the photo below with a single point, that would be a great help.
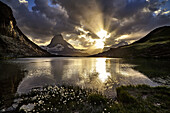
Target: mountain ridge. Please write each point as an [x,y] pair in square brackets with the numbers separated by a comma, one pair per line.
[13,43]
[156,44]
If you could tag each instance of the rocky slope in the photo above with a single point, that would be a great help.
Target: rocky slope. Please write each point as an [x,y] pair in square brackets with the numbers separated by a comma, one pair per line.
[59,46]
[13,43]
[154,45]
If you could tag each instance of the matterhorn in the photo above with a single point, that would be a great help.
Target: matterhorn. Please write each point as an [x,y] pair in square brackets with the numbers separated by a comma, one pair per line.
[59,46]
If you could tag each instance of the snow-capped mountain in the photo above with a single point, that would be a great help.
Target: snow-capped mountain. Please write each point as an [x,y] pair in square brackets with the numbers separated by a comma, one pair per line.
[59,46]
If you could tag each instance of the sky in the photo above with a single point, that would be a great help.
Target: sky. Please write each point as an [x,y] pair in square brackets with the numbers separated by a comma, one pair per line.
[89,24]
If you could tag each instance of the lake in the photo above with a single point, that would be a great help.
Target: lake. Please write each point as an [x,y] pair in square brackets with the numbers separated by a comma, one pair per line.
[102,74]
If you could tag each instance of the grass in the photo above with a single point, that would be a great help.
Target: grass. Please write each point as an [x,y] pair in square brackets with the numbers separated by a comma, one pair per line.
[145,99]
[148,44]
[69,99]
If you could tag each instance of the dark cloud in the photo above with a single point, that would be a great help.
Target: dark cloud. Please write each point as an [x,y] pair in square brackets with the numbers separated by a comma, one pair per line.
[139,18]
[41,23]
[123,17]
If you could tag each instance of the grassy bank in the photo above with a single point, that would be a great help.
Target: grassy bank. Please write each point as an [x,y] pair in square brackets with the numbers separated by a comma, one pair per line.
[68,99]
[144,99]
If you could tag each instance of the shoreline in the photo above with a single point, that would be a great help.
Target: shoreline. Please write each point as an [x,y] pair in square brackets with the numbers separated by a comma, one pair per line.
[140,98]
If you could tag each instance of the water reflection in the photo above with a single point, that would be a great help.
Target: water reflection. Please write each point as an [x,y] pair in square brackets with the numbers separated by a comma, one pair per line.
[156,70]
[101,68]
[34,82]
[104,74]
[10,77]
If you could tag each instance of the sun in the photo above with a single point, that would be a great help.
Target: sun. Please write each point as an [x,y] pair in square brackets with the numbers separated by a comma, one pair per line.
[102,34]
[99,44]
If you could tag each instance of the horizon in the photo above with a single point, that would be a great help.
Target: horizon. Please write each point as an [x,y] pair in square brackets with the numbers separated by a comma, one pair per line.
[89,62]
[89,25]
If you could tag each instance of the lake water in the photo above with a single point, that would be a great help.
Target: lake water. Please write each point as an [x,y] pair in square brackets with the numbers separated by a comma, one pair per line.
[103,74]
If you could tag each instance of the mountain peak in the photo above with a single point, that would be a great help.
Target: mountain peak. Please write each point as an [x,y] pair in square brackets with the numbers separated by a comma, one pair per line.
[58,37]
[59,46]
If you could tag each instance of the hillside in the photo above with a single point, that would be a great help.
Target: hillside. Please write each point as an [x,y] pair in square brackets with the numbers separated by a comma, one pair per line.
[13,43]
[154,45]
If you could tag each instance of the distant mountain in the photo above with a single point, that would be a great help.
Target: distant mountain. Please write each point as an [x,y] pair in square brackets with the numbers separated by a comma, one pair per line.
[154,45]
[122,43]
[13,43]
[59,46]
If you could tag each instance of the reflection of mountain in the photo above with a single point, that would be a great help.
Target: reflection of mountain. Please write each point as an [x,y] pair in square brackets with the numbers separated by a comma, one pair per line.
[13,43]
[59,46]
[97,73]
[10,77]
[34,82]
[154,45]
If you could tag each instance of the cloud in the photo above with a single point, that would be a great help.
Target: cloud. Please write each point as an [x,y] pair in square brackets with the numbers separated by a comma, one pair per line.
[42,22]
[134,18]
[23,1]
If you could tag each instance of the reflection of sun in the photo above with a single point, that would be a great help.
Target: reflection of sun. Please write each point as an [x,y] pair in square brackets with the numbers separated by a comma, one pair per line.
[102,34]
[102,69]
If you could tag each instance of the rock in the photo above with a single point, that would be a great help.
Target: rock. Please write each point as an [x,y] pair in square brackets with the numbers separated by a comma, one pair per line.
[27,108]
